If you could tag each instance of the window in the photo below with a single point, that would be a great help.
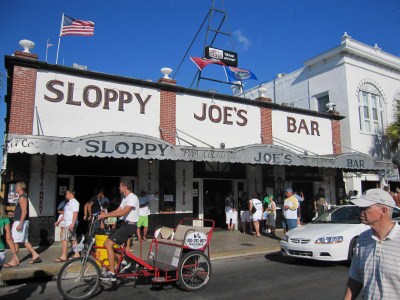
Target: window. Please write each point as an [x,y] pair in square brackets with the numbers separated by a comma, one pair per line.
[397,99]
[370,110]
[322,101]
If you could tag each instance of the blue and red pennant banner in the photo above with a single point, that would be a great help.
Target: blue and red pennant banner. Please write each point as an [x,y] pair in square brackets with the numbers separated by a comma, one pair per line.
[238,74]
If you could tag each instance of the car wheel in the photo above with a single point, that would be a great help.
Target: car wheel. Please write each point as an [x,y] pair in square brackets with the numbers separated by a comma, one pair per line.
[352,249]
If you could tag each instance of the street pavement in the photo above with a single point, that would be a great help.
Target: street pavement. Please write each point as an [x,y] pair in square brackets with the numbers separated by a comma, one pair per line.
[224,244]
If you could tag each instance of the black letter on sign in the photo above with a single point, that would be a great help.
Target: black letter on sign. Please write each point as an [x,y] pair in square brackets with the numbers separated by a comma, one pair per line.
[86,92]
[259,157]
[203,113]
[219,113]
[142,103]
[109,95]
[291,124]
[59,94]
[70,97]
[124,97]
[93,144]
[242,115]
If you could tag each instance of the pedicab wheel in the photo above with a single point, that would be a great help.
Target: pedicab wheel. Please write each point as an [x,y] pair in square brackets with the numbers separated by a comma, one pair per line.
[77,280]
[194,271]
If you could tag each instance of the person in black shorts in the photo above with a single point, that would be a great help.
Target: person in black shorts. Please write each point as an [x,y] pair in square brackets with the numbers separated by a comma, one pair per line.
[128,212]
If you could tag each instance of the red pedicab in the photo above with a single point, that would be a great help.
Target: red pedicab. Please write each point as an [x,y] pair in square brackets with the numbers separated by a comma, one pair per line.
[176,255]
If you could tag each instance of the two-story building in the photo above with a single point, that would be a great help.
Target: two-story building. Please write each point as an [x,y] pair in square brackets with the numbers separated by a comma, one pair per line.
[80,129]
[362,83]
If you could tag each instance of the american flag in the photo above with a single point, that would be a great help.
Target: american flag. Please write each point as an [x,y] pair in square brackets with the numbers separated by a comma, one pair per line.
[70,26]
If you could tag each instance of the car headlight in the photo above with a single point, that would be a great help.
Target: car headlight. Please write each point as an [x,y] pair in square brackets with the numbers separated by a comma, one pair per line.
[329,240]
[285,238]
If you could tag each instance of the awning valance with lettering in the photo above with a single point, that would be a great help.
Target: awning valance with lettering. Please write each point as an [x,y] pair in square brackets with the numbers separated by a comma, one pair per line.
[130,145]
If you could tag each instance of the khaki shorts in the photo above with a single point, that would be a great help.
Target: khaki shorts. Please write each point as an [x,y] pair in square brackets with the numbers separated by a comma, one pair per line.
[67,235]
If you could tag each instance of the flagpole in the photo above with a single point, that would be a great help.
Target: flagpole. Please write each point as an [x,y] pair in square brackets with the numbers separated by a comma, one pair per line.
[47,48]
[59,38]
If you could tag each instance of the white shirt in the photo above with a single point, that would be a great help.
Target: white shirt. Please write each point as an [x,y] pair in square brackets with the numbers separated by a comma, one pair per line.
[258,205]
[144,211]
[70,207]
[131,200]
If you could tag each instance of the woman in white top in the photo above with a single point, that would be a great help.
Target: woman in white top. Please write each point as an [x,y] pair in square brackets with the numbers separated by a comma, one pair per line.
[257,215]
[271,215]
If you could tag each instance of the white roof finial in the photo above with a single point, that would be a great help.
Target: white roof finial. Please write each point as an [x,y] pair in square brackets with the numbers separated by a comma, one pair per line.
[27,45]
[345,37]
[166,71]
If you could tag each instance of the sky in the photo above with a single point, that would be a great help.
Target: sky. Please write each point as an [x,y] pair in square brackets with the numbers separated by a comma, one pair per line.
[136,39]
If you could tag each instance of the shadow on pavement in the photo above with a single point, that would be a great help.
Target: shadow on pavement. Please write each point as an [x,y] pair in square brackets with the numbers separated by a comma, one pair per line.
[39,250]
[26,287]
[279,258]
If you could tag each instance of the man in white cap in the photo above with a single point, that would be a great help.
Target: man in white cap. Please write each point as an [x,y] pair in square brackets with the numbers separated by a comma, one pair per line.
[375,266]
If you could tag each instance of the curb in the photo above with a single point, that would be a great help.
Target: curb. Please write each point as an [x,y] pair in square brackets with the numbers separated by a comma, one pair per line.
[51,270]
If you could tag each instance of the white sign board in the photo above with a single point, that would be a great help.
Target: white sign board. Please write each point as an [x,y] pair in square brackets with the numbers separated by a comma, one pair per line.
[70,106]
[201,121]
[300,131]
[196,240]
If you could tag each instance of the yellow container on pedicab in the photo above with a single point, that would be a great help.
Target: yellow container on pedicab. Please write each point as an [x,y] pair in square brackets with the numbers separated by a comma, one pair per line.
[101,254]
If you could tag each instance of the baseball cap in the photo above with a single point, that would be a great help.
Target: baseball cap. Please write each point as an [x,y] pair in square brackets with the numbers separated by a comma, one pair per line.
[374,196]
[288,189]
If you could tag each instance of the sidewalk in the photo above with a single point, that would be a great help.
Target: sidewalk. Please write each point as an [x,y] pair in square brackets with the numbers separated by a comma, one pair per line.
[224,244]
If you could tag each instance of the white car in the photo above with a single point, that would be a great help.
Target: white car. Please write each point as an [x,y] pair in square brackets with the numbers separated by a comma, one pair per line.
[330,237]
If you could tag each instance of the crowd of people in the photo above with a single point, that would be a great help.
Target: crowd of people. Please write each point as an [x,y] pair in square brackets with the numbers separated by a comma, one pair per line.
[132,213]
[258,214]
[255,216]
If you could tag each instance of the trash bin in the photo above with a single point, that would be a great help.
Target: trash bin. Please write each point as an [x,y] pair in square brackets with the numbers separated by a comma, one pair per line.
[100,237]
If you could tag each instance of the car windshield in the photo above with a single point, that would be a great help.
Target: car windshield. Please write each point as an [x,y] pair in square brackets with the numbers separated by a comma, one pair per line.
[340,215]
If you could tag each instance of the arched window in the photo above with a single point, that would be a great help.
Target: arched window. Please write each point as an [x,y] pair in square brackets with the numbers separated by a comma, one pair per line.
[371,110]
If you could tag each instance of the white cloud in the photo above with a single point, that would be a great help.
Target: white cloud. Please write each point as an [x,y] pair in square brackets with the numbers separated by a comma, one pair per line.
[242,40]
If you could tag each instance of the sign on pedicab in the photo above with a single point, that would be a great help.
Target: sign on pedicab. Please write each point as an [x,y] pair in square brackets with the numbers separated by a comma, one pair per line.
[196,240]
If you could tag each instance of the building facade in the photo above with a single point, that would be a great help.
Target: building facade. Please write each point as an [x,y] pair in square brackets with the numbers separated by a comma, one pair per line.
[363,84]
[71,128]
